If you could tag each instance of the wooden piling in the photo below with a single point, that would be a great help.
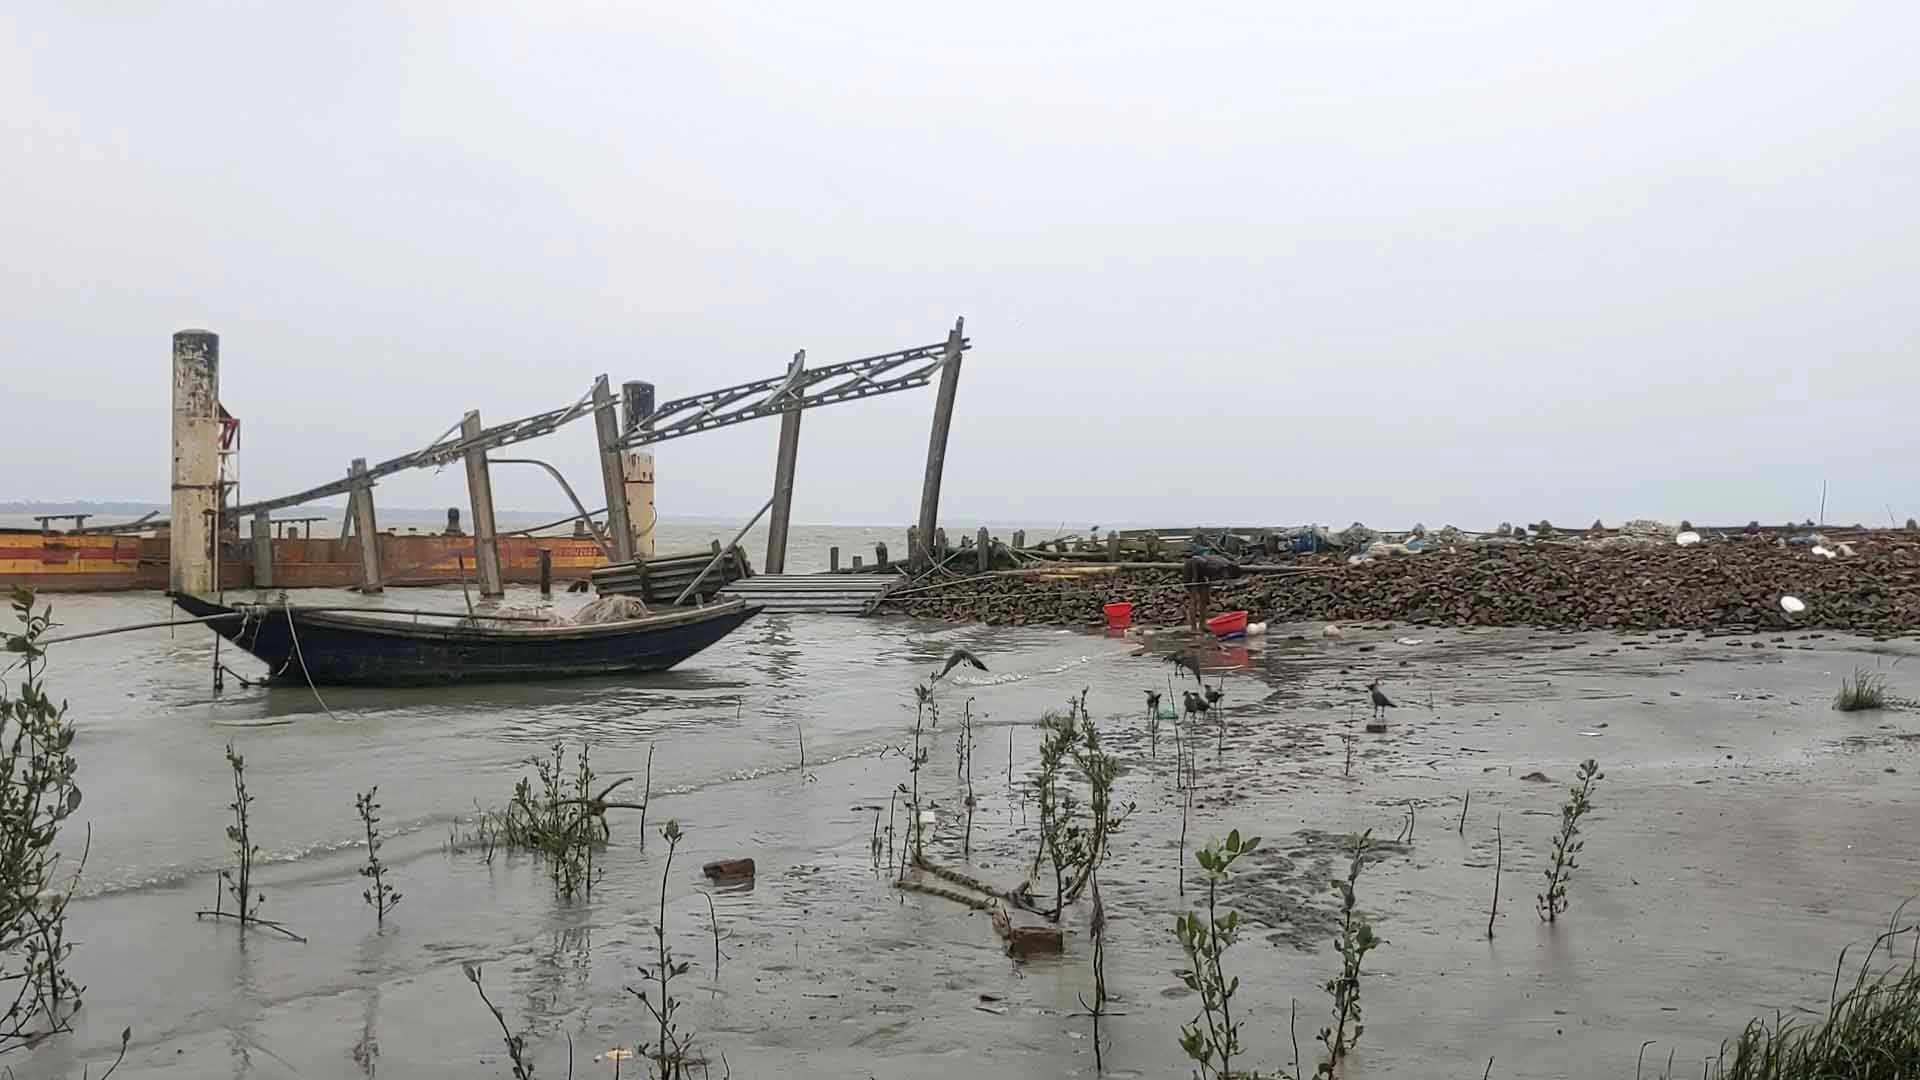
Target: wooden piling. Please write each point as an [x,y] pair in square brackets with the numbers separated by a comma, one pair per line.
[983,545]
[1019,539]
[369,529]
[937,438]
[606,427]
[879,556]
[546,572]
[917,554]
[856,562]
[262,550]
[486,543]
[783,471]
[196,461]
[1113,546]
[833,560]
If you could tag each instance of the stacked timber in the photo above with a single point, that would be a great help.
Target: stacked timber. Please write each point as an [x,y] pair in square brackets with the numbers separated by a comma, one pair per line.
[1730,583]
[659,581]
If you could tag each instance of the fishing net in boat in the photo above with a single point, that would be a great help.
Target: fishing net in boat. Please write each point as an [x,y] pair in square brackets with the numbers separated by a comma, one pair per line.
[515,616]
[611,609]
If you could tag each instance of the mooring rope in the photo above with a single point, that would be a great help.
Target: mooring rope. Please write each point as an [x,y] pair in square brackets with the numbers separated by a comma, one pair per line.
[295,635]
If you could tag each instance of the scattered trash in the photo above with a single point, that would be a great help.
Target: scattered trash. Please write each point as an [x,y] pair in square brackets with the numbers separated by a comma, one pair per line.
[1409,641]
[1792,605]
[1823,552]
[1593,734]
[1538,778]
[1332,631]
[1687,539]
[1256,629]
[729,870]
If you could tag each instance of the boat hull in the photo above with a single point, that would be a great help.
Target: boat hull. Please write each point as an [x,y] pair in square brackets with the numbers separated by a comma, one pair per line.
[349,650]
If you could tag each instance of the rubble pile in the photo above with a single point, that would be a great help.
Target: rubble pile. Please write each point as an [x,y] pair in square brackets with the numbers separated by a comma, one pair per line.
[1729,584]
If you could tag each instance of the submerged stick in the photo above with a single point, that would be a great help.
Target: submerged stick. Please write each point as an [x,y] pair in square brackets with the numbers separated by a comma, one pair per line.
[1464,803]
[1499,851]
[646,796]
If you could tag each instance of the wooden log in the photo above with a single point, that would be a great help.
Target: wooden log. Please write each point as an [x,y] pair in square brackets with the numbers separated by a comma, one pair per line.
[486,542]
[369,529]
[613,479]
[937,436]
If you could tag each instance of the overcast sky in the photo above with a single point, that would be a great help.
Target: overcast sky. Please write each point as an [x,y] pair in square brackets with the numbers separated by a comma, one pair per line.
[1267,261]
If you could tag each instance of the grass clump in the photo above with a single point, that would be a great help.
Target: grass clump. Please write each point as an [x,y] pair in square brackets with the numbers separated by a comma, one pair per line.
[562,821]
[1865,690]
[1870,1031]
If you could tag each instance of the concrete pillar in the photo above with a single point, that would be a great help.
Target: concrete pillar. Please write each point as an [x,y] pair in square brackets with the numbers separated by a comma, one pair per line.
[486,542]
[606,429]
[262,551]
[783,470]
[368,528]
[937,440]
[196,461]
[636,469]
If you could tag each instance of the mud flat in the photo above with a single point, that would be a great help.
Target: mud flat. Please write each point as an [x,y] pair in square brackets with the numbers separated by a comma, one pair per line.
[1732,583]
[1744,834]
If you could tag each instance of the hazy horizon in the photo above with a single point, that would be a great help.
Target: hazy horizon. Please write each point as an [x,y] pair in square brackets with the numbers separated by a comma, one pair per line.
[1257,263]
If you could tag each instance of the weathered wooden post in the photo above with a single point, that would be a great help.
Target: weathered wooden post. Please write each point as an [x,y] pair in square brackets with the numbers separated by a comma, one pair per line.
[879,555]
[856,562]
[937,440]
[783,470]
[486,542]
[546,572]
[1113,545]
[606,427]
[917,554]
[941,549]
[369,530]
[1019,539]
[196,461]
[833,559]
[983,545]
[262,550]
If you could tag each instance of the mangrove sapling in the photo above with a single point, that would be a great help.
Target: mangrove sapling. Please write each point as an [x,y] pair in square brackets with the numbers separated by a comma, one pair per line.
[1566,843]
[1101,770]
[37,796]
[239,880]
[562,823]
[713,925]
[1062,840]
[380,896]
[963,768]
[1097,933]
[1356,940]
[1212,1039]
[1153,724]
[923,695]
[669,1050]
[516,1044]
[1186,816]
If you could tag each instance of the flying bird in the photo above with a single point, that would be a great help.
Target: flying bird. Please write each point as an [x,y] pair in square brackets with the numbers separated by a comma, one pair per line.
[955,659]
[1185,660]
[1380,701]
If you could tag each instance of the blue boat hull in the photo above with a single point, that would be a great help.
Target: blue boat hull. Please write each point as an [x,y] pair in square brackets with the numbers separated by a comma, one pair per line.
[351,650]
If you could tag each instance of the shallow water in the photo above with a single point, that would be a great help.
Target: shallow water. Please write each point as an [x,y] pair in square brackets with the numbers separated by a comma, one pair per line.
[1743,835]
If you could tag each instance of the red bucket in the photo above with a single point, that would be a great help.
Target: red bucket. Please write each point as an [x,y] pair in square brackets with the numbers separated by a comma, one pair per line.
[1120,616]
[1231,625]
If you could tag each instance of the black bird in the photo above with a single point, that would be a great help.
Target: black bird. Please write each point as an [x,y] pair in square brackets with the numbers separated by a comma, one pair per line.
[1214,694]
[1185,660]
[1153,703]
[1196,704]
[1380,701]
[955,659]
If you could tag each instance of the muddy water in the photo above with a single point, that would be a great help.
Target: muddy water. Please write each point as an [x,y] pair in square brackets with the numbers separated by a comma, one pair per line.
[1744,834]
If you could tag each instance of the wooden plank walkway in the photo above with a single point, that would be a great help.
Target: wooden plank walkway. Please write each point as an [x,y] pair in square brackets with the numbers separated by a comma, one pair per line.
[833,594]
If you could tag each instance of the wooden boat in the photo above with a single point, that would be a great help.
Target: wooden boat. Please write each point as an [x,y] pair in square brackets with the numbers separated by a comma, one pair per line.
[345,648]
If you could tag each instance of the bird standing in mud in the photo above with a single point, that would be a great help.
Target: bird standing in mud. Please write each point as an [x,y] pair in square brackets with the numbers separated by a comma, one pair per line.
[955,659]
[1380,701]
[1197,705]
[1153,703]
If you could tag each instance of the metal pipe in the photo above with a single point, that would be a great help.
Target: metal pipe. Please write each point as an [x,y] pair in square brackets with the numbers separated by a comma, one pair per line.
[571,497]
[722,553]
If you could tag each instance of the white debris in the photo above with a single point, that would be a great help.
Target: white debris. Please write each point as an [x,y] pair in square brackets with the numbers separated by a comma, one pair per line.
[1687,539]
[1792,605]
[1332,631]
